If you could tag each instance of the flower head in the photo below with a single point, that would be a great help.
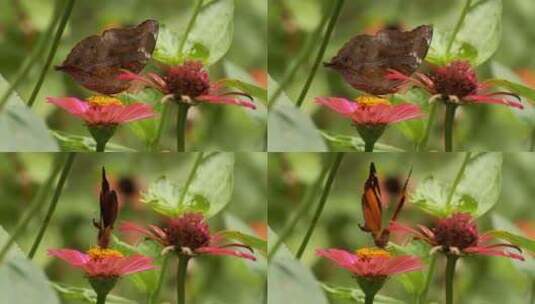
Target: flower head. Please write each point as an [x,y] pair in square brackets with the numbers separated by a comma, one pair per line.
[371,262]
[458,235]
[189,83]
[103,110]
[103,263]
[457,83]
[189,235]
[371,110]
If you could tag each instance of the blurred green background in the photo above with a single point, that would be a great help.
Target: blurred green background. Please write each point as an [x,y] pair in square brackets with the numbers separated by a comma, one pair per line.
[479,279]
[212,126]
[211,279]
[493,128]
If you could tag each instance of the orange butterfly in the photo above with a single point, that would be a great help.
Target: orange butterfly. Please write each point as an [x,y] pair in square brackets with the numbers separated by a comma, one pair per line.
[372,208]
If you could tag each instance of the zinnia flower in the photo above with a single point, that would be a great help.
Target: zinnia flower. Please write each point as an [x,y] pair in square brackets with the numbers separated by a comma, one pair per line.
[458,235]
[189,83]
[103,110]
[189,235]
[457,83]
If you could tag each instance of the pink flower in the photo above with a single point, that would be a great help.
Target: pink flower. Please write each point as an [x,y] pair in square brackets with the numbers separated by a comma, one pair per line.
[457,83]
[103,110]
[103,263]
[189,83]
[189,235]
[371,262]
[457,234]
[371,110]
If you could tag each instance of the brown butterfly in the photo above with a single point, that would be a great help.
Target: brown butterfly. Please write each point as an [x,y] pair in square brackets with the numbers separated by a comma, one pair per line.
[365,60]
[109,208]
[96,61]
[372,208]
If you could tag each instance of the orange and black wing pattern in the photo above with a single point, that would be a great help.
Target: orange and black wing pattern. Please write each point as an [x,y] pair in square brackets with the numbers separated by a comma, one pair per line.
[372,206]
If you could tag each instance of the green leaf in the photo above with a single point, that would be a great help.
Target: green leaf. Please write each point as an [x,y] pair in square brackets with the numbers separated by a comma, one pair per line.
[477,40]
[145,129]
[413,129]
[21,281]
[477,192]
[77,143]
[214,180]
[248,88]
[289,279]
[289,129]
[163,196]
[414,281]
[20,129]
[353,143]
[209,40]
[519,89]
[71,293]
[247,239]
[515,239]
[353,294]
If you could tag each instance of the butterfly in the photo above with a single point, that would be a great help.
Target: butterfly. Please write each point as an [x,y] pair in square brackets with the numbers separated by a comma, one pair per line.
[365,60]
[96,61]
[372,208]
[109,208]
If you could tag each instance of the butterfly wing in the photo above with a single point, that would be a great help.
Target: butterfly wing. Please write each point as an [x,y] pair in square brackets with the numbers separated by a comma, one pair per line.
[96,61]
[372,208]
[364,61]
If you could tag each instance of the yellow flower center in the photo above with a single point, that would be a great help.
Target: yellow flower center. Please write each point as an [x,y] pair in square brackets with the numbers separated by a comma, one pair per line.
[103,101]
[371,101]
[369,253]
[97,253]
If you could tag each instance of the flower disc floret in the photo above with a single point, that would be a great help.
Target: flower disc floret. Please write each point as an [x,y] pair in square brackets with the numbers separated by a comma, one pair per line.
[458,230]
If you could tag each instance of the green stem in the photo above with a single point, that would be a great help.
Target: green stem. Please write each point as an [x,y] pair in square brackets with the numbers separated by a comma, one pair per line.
[35,206]
[450,273]
[299,61]
[181,279]
[458,25]
[330,28]
[448,128]
[64,19]
[101,298]
[369,145]
[323,199]
[368,298]
[101,146]
[532,144]
[35,55]
[156,293]
[196,11]
[432,113]
[53,203]
[304,206]
[161,126]
[458,177]
[428,278]
[196,164]
[181,122]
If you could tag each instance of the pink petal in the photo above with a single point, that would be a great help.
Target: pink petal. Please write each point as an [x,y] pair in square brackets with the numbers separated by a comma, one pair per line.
[135,263]
[73,257]
[73,105]
[340,105]
[220,99]
[401,264]
[405,230]
[493,251]
[494,100]
[225,251]
[343,258]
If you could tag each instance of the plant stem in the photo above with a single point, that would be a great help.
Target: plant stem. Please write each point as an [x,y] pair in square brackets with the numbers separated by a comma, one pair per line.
[448,128]
[101,298]
[458,177]
[323,199]
[161,126]
[101,146]
[369,145]
[196,164]
[34,208]
[304,206]
[428,278]
[53,203]
[196,11]
[368,298]
[532,144]
[64,19]
[450,273]
[181,279]
[330,28]
[432,113]
[35,55]
[458,25]
[300,59]
[181,122]
[156,293]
